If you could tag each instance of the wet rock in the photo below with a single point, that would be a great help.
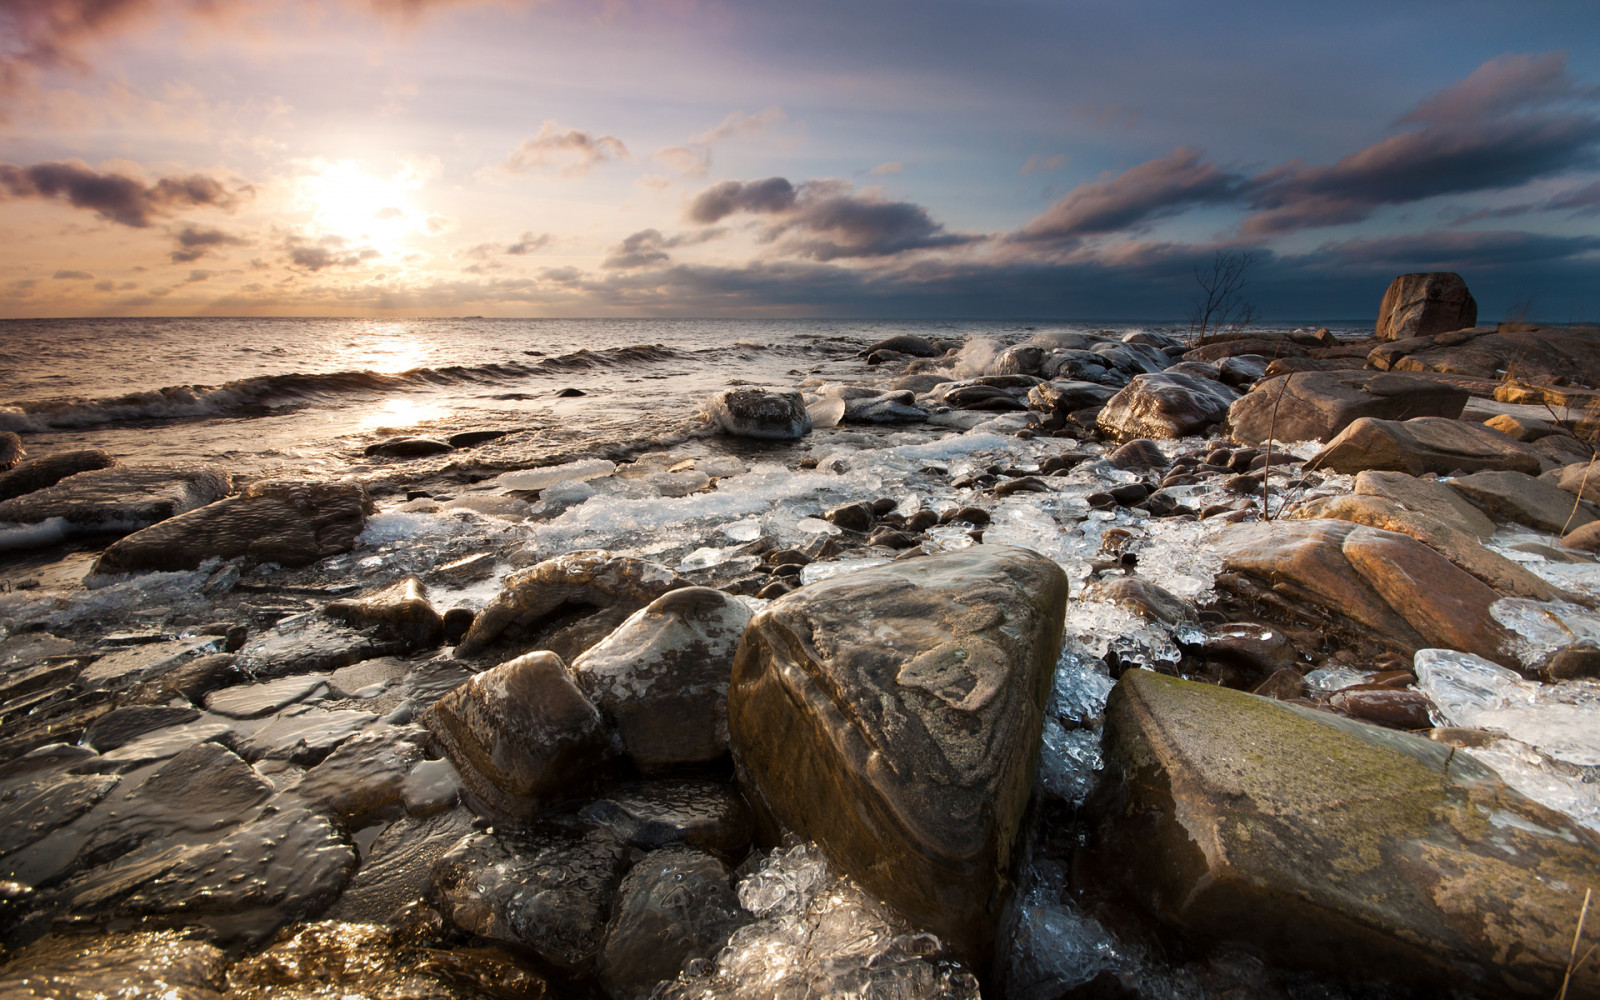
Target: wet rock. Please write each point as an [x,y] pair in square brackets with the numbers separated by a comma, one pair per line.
[471,439]
[652,814]
[592,582]
[1421,305]
[1164,406]
[302,735]
[1018,359]
[1537,356]
[1140,453]
[917,347]
[122,725]
[520,734]
[1315,406]
[457,622]
[407,447]
[191,680]
[33,805]
[893,716]
[549,894]
[1283,684]
[121,498]
[1328,843]
[662,677]
[367,678]
[1258,649]
[142,966]
[401,609]
[397,868]
[1571,663]
[1395,709]
[47,470]
[1423,444]
[251,701]
[325,960]
[1425,496]
[1148,600]
[1064,396]
[11,450]
[1400,589]
[310,643]
[761,414]
[161,744]
[1242,369]
[365,777]
[288,522]
[674,906]
[1520,498]
[124,668]
[1008,392]
[851,516]
[1022,484]
[884,408]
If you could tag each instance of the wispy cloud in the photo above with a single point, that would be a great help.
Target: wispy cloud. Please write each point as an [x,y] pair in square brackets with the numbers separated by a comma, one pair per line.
[195,242]
[573,152]
[1152,190]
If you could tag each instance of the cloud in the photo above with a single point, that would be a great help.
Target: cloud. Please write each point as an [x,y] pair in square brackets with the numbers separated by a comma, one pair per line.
[328,252]
[715,203]
[65,275]
[892,167]
[649,246]
[1503,84]
[527,243]
[195,242]
[1583,201]
[1038,163]
[684,160]
[573,151]
[1138,195]
[693,159]
[113,196]
[1450,251]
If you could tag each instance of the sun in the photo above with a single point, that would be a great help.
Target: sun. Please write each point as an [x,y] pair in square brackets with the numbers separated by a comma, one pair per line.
[347,201]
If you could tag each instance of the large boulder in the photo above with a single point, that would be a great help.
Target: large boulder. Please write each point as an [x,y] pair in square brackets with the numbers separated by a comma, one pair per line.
[1520,498]
[589,582]
[1581,479]
[1164,406]
[520,734]
[47,470]
[662,676]
[1421,305]
[893,716]
[121,498]
[1332,844]
[286,522]
[761,414]
[1537,356]
[1423,444]
[1426,496]
[1314,406]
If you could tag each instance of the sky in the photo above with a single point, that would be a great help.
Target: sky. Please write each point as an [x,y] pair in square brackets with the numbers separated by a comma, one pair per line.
[755,158]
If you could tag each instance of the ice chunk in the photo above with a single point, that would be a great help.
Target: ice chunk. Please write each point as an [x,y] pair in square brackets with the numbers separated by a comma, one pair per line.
[538,479]
[827,570]
[1054,947]
[705,558]
[1543,627]
[1558,720]
[745,530]
[1068,761]
[1327,680]
[1564,788]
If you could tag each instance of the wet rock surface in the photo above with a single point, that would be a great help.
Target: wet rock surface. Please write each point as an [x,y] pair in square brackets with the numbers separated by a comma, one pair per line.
[47,470]
[121,498]
[760,414]
[1164,406]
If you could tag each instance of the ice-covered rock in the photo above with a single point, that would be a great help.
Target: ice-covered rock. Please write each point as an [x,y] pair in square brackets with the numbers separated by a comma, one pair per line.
[761,414]
[694,811]
[1164,406]
[538,479]
[401,609]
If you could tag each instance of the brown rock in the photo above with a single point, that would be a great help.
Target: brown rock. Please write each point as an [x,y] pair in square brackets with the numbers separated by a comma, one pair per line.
[1427,497]
[1537,356]
[1556,451]
[1581,479]
[1283,684]
[11,450]
[1424,444]
[1421,305]
[1524,429]
[120,498]
[1514,496]
[1395,709]
[47,470]
[1140,453]
[1266,348]
[401,608]
[1164,406]
[1584,539]
[893,716]
[1317,405]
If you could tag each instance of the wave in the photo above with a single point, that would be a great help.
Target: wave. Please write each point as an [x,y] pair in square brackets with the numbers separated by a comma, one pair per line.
[263,395]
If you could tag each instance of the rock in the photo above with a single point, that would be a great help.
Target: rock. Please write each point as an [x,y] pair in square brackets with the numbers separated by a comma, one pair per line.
[1537,356]
[521,734]
[146,965]
[884,408]
[11,451]
[1242,369]
[397,868]
[893,716]
[1140,453]
[1581,479]
[122,725]
[1148,600]
[251,701]
[1423,444]
[303,735]
[1283,684]
[652,814]
[1584,539]
[1556,451]
[1314,406]
[1395,709]
[905,343]
[1427,497]
[662,677]
[288,522]
[471,439]
[530,599]
[121,498]
[47,470]
[362,680]
[1328,843]
[365,777]
[1524,429]
[851,516]
[1421,305]
[33,805]
[1270,349]
[1018,359]
[674,906]
[975,395]
[123,668]
[1164,406]
[1513,496]
[761,414]
[1407,594]
[309,643]
[549,894]
[1063,396]
[401,609]
[407,447]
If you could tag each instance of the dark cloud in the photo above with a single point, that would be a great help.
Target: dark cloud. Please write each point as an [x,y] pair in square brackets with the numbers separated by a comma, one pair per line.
[1583,201]
[330,251]
[717,202]
[528,243]
[195,242]
[573,151]
[65,275]
[1449,251]
[1151,190]
[650,246]
[113,196]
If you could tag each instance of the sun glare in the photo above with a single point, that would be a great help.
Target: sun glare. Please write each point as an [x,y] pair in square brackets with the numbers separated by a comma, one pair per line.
[346,201]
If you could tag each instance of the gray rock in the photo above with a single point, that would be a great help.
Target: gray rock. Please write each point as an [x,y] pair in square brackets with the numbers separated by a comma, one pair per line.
[303,734]
[1314,406]
[310,643]
[884,408]
[1421,305]
[47,470]
[694,811]
[397,869]
[761,414]
[917,347]
[123,725]
[407,447]
[123,668]
[1062,396]
[121,499]
[251,701]
[1581,479]
[1164,406]
[36,804]
[366,776]
[1517,497]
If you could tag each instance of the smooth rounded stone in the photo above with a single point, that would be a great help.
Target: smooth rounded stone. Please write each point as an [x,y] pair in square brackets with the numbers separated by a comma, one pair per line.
[1421,305]
[1164,406]
[1394,709]
[31,806]
[1063,396]
[288,522]
[615,585]
[396,870]
[550,894]
[1196,369]
[855,516]
[1581,479]
[354,961]
[761,414]
[1584,539]
[1454,544]
[123,725]
[1422,444]
[662,677]
[283,867]
[366,775]
[1426,496]
[905,343]
[923,383]
[124,668]
[521,734]
[401,608]
[893,716]
[674,906]
[652,814]
[251,701]
[1242,369]
[1315,406]
[121,498]
[11,450]
[976,394]
[432,786]
[1022,484]
[146,965]
[1254,647]
[1572,663]
[1520,498]
[35,474]
[1324,842]
[885,408]
[1018,359]
[407,447]
[471,439]
[302,735]
[1140,453]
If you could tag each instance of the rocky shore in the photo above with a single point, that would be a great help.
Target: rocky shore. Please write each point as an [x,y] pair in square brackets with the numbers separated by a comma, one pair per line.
[1264,665]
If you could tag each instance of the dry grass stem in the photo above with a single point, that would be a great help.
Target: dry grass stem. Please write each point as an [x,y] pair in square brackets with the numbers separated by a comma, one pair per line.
[1572,958]
[1266,470]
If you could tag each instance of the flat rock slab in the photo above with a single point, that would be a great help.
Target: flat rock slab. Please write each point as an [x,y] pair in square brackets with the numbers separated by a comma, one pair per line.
[401,610]
[47,470]
[1538,355]
[1333,844]
[396,870]
[1520,498]
[309,643]
[1425,444]
[1426,496]
[32,806]
[123,498]
[1314,406]
[124,668]
[1164,406]
[251,701]
[893,716]
[303,735]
